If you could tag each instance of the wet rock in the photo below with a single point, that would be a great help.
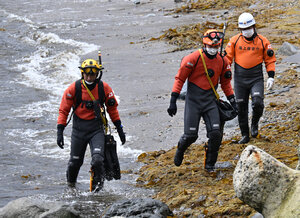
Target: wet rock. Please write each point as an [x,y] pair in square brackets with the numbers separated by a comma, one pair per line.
[29,207]
[287,49]
[293,58]
[257,215]
[280,91]
[223,165]
[266,184]
[138,207]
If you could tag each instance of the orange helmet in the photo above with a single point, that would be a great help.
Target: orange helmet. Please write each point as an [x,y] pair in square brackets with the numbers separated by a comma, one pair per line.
[213,37]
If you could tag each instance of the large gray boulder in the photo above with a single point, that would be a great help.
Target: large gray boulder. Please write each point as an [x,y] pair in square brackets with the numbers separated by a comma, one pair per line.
[266,184]
[287,49]
[138,207]
[30,207]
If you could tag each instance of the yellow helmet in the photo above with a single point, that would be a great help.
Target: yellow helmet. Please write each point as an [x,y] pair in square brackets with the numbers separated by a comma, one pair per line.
[90,66]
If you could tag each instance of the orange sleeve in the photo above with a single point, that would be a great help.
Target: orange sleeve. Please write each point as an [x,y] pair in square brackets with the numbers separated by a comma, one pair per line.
[67,102]
[186,67]
[269,60]
[230,50]
[111,103]
[226,82]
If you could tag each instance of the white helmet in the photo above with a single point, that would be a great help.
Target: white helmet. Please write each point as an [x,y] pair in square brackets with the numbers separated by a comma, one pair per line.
[246,20]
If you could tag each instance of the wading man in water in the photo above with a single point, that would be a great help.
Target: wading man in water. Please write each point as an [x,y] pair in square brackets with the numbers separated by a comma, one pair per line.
[200,98]
[87,124]
[249,50]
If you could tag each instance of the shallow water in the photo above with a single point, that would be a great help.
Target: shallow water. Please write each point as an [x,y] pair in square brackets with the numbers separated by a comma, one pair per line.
[42,46]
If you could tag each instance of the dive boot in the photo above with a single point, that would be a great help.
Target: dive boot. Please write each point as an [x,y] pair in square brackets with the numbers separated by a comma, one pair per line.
[209,169]
[254,129]
[245,139]
[71,184]
[178,157]
[97,187]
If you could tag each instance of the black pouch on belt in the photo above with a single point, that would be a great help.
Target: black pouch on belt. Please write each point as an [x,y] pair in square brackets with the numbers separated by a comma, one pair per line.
[97,110]
[226,111]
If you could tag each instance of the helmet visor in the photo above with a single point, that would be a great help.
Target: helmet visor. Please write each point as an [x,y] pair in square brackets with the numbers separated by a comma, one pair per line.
[90,70]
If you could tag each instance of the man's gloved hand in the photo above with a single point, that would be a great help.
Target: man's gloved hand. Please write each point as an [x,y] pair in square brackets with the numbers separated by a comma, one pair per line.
[231,99]
[60,135]
[270,83]
[172,110]
[120,131]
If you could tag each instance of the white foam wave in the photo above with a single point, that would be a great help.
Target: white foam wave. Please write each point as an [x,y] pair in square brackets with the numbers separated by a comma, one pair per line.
[43,70]
[51,72]
[15,17]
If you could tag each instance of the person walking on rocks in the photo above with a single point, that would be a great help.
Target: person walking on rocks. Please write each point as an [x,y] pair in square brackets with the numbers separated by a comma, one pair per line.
[249,50]
[87,123]
[200,99]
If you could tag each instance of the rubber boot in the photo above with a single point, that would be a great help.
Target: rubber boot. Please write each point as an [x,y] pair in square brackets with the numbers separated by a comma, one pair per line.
[183,144]
[254,129]
[98,186]
[98,181]
[243,123]
[245,133]
[97,166]
[71,184]
[179,156]
[254,125]
[72,172]
[257,112]
[212,149]
[245,139]
[210,161]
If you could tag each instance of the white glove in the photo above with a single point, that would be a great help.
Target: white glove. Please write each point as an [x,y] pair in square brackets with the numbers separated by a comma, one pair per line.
[270,83]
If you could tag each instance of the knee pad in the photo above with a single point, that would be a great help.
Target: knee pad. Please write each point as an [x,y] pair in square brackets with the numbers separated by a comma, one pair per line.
[97,160]
[215,138]
[73,169]
[186,140]
[257,104]
[75,163]
[98,167]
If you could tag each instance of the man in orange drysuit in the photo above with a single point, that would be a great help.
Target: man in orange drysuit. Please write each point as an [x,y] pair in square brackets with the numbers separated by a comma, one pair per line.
[249,50]
[200,98]
[87,126]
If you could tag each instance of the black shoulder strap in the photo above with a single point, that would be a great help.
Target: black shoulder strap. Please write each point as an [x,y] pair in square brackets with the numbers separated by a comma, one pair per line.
[101,93]
[78,98]
[78,93]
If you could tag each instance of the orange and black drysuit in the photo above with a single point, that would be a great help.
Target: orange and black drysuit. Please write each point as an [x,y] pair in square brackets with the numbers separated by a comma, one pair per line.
[87,128]
[200,99]
[249,55]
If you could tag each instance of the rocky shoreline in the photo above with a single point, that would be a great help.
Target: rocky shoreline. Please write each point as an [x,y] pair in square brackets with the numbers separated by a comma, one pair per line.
[189,190]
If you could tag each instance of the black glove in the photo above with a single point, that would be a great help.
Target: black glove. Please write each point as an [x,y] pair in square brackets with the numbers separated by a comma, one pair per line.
[120,131]
[231,99]
[173,107]
[60,135]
